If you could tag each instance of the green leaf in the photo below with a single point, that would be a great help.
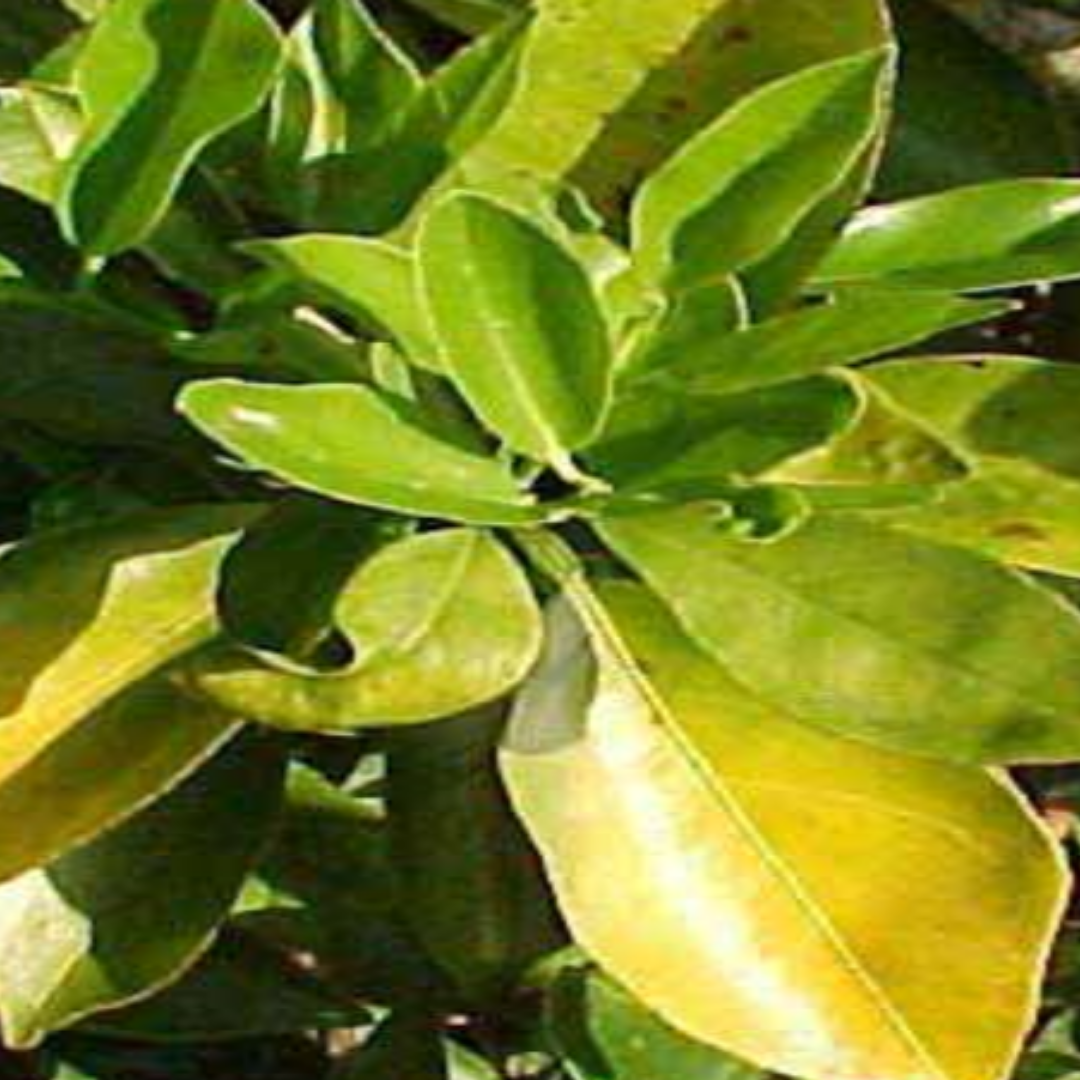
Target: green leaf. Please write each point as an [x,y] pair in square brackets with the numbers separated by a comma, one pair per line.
[740,188]
[85,615]
[661,436]
[693,836]
[1009,510]
[403,1045]
[605,1034]
[371,77]
[355,444]
[977,664]
[239,989]
[993,406]
[116,920]
[607,93]
[368,279]
[857,326]
[988,236]
[158,79]
[520,330]
[436,624]
[472,888]
[38,127]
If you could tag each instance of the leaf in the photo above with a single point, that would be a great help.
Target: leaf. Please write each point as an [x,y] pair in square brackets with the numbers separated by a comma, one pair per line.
[739,189]
[977,664]
[993,406]
[38,127]
[158,79]
[436,624]
[471,886]
[239,989]
[372,78]
[115,921]
[369,279]
[605,1034]
[883,447]
[355,444]
[607,93]
[1009,510]
[520,330]
[722,887]
[857,326]
[31,245]
[661,436]
[403,1045]
[988,236]
[86,614]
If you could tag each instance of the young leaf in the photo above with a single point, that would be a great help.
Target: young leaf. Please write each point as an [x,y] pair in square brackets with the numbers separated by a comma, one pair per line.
[159,79]
[520,330]
[116,920]
[737,191]
[856,326]
[369,279]
[38,126]
[988,236]
[85,614]
[976,664]
[355,444]
[693,837]
[437,624]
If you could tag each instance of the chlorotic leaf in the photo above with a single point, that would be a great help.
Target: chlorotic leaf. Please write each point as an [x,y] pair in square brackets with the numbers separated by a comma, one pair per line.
[437,624]
[977,664]
[693,837]
[114,921]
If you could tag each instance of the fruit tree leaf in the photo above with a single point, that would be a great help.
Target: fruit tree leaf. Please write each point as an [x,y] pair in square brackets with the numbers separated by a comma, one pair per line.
[693,836]
[158,80]
[977,664]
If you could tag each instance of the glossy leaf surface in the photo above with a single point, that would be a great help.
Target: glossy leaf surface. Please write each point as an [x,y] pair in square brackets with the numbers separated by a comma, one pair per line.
[977,664]
[117,919]
[734,193]
[437,624]
[855,327]
[158,80]
[1006,233]
[520,330]
[720,905]
[355,444]
[84,615]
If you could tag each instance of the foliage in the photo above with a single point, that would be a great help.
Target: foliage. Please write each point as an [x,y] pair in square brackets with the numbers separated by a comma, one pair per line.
[490,591]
